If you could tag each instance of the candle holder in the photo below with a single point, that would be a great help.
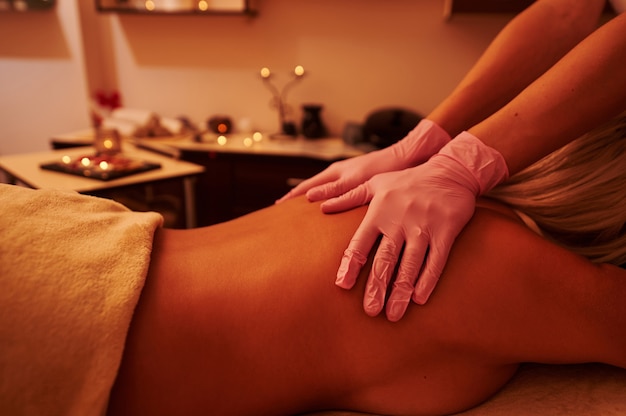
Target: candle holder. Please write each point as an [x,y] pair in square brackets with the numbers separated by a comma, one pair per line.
[107,142]
[279,99]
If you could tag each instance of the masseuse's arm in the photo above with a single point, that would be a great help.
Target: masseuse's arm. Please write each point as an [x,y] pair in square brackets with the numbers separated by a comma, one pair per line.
[584,89]
[530,44]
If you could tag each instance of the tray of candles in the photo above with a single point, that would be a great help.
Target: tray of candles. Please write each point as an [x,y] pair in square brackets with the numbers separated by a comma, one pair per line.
[103,167]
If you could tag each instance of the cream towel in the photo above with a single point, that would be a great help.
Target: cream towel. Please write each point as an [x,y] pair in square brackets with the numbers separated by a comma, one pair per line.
[71,271]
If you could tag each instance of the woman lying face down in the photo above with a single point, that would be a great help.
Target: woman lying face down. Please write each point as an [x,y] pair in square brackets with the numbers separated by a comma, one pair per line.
[244,318]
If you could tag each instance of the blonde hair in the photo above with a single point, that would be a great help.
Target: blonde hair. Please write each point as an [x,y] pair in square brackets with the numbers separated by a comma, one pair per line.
[577,195]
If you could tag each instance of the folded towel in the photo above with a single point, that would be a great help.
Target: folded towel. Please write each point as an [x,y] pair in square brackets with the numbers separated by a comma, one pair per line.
[71,271]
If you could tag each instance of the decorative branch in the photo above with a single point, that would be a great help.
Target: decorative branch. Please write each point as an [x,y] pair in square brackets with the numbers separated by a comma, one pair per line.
[279,97]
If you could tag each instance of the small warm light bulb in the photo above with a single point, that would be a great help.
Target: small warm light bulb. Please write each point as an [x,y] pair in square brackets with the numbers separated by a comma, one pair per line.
[248,142]
[85,161]
[265,72]
[104,165]
[222,128]
[203,5]
[108,143]
[221,140]
[66,159]
[299,71]
[149,4]
[257,136]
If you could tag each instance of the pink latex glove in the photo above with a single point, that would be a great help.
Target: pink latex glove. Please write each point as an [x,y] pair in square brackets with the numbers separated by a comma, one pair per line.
[419,212]
[417,147]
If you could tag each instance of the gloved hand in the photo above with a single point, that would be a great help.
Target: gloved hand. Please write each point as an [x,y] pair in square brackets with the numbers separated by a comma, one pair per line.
[417,147]
[419,212]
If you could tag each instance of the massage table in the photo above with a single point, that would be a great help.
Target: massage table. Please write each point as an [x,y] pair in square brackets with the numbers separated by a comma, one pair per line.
[551,390]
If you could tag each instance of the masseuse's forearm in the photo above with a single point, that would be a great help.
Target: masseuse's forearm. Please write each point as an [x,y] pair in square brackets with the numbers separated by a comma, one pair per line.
[584,89]
[530,44]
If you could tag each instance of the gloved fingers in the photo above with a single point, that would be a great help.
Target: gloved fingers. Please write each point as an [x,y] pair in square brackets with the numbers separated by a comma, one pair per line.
[307,184]
[433,268]
[355,197]
[327,190]
[439,250]
[382,270]
[355,255]
[408,272]
[351,264]
[291,194]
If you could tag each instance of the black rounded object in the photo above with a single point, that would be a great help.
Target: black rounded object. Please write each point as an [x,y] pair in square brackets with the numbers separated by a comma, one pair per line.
[386,126]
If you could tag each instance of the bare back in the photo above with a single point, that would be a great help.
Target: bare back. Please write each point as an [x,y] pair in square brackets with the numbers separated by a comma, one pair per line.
[244,318]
